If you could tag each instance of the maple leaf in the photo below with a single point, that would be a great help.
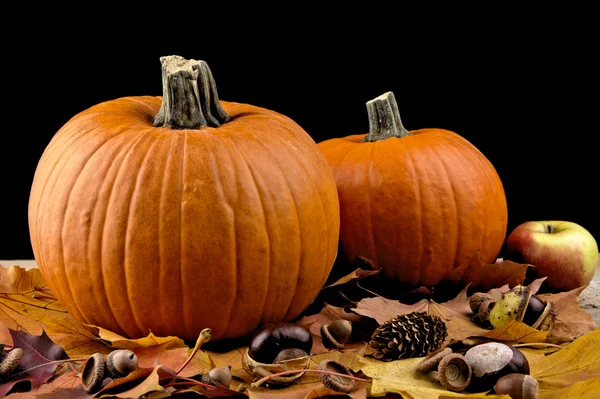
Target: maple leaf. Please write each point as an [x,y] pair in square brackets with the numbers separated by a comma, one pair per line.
[37,365]
[116,341]
[26,304]
[483,276]
[456,313]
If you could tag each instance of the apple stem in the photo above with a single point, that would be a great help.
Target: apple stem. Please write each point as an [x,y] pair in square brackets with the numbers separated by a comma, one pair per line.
[549,228]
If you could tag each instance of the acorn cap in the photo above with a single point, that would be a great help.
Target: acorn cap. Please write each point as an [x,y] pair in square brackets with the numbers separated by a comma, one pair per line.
[454,372]
[431,361]
[336,382]
[92,373]
[121,362]
[336,334]
[10,361]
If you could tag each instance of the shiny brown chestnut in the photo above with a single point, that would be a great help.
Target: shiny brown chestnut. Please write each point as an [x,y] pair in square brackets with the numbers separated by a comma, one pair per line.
[269,340]
[278,347]
[493,360]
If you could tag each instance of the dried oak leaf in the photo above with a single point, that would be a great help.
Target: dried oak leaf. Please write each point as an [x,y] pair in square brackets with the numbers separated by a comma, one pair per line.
[35,367]
[485,276]
[27,305]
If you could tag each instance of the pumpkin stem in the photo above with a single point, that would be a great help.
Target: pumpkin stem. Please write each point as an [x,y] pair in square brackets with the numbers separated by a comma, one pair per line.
[384,118]
[190,99]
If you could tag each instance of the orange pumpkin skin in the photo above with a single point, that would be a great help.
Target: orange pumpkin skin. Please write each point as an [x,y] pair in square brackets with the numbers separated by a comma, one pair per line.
[138,228]
[418,205]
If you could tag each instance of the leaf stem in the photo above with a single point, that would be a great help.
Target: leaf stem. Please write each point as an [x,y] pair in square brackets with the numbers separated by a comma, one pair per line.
[49,363]
[258,383]
[204,337]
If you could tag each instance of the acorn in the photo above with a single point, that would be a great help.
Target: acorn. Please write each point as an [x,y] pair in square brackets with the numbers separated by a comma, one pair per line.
[454,372]
[493,360]
[477,299]
[519,304]
[121,362]
[335,335]
[336,382]
[518,386]
[218,376]
[276,347]
[10,361]
[118,363]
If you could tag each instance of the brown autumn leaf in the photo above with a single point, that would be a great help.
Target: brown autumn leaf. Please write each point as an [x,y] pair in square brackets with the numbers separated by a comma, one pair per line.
[37,365]
[172,359]
[56,387]
[361,327]
[456,313]
[571,321]
[138,383]
[483,276]
[116,341]
[26,304]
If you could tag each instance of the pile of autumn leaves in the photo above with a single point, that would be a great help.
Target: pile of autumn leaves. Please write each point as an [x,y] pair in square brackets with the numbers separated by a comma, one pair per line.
[564,360]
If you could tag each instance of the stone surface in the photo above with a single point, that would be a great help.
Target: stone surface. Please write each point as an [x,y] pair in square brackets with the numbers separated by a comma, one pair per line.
[589,298]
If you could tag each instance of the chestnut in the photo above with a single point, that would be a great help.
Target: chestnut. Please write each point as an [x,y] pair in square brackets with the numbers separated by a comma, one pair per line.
[269,340]
[492,360]
[278,347]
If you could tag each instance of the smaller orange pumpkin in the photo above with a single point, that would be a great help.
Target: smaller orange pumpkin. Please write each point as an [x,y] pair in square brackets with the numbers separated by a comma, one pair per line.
[415,203]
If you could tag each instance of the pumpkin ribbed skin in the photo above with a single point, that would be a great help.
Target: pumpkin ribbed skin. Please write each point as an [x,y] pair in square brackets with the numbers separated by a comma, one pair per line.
[138,228]
[418,205]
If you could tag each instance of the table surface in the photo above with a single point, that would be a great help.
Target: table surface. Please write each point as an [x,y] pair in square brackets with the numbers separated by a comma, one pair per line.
[589,298]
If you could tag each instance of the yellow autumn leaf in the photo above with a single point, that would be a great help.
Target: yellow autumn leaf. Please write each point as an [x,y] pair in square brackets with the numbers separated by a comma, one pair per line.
[403,378]
[116,341]
[27,304]
[516,331]
[579,361]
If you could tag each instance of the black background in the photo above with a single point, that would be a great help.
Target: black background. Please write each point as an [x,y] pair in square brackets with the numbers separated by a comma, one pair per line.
[521,86]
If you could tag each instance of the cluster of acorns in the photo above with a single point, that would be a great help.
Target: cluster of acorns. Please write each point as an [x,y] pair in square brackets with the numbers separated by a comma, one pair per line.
[485,366]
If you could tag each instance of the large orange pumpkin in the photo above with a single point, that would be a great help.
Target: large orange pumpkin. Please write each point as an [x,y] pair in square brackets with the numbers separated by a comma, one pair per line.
[176,213]
[415,203]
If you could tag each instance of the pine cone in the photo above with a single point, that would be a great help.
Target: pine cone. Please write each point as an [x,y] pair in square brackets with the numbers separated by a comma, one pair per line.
[409,335]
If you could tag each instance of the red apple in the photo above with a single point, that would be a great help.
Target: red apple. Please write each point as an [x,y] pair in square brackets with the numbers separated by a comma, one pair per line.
[563,252]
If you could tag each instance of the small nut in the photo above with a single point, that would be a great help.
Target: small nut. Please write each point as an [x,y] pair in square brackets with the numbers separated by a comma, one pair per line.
[121,362]
[336,334]
[431,361]
[93,373]
[218,376]
[518,386]
[10,361]
[454,372]
[336,382]
[492,360]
